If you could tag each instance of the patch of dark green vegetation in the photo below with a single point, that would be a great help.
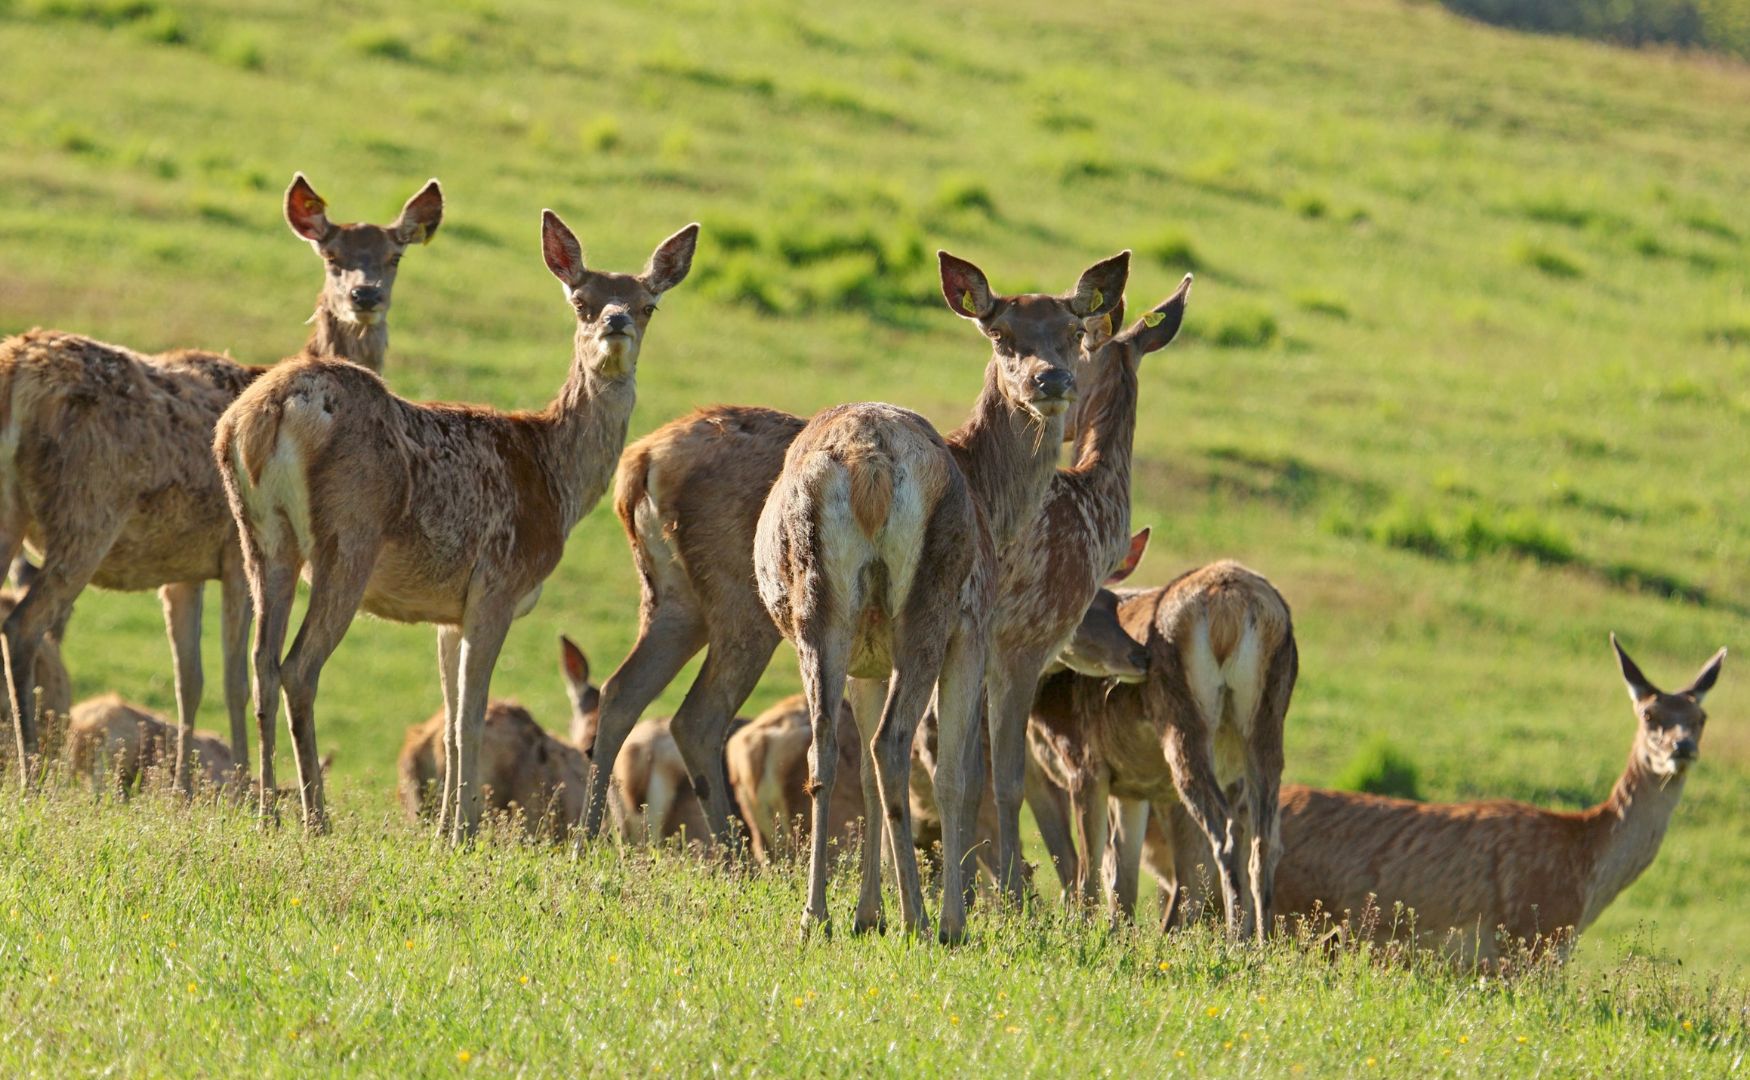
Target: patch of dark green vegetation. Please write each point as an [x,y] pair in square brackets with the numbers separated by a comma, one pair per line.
[1380,768]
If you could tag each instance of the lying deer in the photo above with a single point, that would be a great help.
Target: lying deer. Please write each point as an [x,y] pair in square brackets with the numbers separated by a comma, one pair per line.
[448,514]
[106,735]
[876,554]
[1484,882]
[767,766]
[527,772]
[1204,730]
[106,466]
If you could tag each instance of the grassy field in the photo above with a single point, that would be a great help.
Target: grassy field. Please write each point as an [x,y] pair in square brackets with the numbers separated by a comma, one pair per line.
[1463,373]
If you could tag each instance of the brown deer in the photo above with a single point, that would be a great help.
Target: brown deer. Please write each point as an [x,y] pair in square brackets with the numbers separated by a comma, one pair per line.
[1072,544]
[1203,730]
[49,673]
[106,466]
[877,555]
[1485,883]
[450,514]
[689,496]
[767,766]
[526,771]
[109,735]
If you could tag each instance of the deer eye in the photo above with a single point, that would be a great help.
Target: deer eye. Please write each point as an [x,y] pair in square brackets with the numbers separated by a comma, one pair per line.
[649,310]
[394,260]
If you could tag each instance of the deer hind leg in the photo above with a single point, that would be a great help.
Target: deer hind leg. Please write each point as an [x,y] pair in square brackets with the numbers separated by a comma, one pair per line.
[1013,683]
[823,683]
[667,639]
[1202,798]
[1050,806]
[484,627]
[1093,806]
[449,648]
[182,620]
[868,699]
[1264,760]
[1129,829]
[273,583]
[235,616]
[69,561]
[338,576]
[960,771]
[701,725]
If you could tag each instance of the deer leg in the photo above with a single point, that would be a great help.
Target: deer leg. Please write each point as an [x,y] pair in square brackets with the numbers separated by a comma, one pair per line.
[337,585]
[234,618]
[272,587]
[67,569]
[908,695]
[1050,806]
[1093,809]
[1201,796]
[1129,827]
[1264,833]
[868,698]
[483,633]
[959,774]
[823,683]
[666,641]
[1012,684]
[182,619]
[449,645]
[701,725]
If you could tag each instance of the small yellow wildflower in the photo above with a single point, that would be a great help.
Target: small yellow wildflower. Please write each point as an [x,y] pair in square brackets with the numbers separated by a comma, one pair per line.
[873,992]
[409,943]
[1245,1036]
[1012,1030]
[337,950]
[296,901]
[464,1057]
[797,1003]
[1521,1040]
[1002,995]
[1371,1062]
[677,969]
[13,914]
[173,944]
[1000,1015]
[145,916]
[1227,1045]
[1446,1051]
[1688,1025]
[1212,1012]
[953,1019]
[523,980]
[193,987]
[1179,1053]
[1262,1000]
[1463,1040]
[1162,966]
[51,978]
[613,958]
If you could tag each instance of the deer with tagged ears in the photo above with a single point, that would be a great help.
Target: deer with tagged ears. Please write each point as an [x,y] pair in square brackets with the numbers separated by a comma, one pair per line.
[106,467]
[440,513]
[877,555]
[1482,883]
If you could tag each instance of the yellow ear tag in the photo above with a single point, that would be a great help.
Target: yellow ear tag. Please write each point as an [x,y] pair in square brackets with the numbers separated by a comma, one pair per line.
[1097,301]
[966,303]
[1106,325]
[1152,318]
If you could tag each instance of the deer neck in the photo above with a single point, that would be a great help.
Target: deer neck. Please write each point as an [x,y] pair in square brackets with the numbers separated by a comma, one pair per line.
[1628,828]
[1107,435]
[1009,456]
[584,429]
[330,335]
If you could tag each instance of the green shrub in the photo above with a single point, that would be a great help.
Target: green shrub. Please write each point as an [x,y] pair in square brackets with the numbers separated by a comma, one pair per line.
[1380,768]
[1308,204]
[379,41]
[241,51]
[1243,327]
[1172,248]
[601,135]
[1321,303]
[965,192]
[1547,259]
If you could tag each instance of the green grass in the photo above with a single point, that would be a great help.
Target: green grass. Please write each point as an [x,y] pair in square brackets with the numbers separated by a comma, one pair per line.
[1461,463]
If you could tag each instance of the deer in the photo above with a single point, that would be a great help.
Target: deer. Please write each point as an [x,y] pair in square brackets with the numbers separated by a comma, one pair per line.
[106,468]
[1074,541]
[528,772]
[54,687]
[767,767]
[1204,731]
[877,555]
[1484,884]
[439,513]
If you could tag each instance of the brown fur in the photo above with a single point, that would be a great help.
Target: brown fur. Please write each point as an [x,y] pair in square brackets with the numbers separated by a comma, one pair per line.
[49,673]
[106,469]
[449,514]
[106,735]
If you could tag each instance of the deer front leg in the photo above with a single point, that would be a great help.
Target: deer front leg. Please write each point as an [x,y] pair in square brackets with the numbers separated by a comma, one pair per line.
[483,632]
[1093,811]
[1013,682]
[235,616]
[1050,806]
[1129,827]
[959,773]
[700,728]
[823,683]
[182,620]
[449,652]
[68,564]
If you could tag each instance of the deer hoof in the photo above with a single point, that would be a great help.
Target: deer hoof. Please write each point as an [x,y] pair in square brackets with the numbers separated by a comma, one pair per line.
[862,926]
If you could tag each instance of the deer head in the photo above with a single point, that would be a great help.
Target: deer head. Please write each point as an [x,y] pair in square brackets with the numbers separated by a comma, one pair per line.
[361,258]
[1668,739]
[614,309]
[1101,648]
[1036,339]
[586,699]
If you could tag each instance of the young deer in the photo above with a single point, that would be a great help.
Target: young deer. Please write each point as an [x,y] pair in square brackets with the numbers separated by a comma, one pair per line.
[1204,730]
[689,496]
[1482,882]
[877,555]
[450,514]
[106,466]
[108,735]
[1072,543]
[767,765]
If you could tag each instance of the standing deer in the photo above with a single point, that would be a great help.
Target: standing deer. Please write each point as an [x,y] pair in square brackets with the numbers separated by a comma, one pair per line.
[450,514]
[1204,730]
[689,496]
[1483,882]
[1072,544]
[106,465]
[877,555]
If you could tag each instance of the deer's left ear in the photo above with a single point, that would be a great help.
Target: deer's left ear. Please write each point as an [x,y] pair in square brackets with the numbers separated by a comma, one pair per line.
[1704,682]
[560,248]
[1160,325]
[1138,545]
[1101,287]
[1638,686]
[306,212]
[671,260]
[421,216]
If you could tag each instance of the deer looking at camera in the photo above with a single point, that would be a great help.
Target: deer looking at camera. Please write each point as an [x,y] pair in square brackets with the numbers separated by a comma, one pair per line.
[106,466]
[449,514]
[877,555]
[1483,883]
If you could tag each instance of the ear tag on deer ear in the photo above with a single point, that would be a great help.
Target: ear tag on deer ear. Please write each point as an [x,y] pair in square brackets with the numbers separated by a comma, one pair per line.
[1152,319]
[424,235]
[966,303]
[1097,301]
[1106,325]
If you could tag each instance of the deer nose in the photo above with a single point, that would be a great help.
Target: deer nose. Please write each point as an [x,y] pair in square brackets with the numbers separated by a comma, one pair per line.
[366,297]
[619,323]
[1686,750]
[1139,658]
[1054,383]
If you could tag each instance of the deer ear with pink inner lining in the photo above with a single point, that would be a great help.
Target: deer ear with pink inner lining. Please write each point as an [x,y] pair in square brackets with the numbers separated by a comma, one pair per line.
[1138,545]
[307,212]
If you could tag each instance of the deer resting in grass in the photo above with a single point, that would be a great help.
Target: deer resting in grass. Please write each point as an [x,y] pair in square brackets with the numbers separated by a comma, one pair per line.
[106,465]
[1485,883]
[1204,730]
[449,514]
[877,555]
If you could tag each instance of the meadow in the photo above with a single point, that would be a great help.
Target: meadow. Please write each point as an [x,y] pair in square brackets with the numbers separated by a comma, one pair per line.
[1463,373]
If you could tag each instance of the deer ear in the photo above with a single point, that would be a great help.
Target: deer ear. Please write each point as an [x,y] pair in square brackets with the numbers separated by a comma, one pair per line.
[965,288]
[572,662]
[420,217]
[306,212]
[1704,682]
[671,260]
[1103,328]
[1160,325]
[1138,545]
[560,248]
[1638,686]
[1101,287]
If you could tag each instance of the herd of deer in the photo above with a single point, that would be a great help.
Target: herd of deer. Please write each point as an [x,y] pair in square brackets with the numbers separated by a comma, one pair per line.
[948,596]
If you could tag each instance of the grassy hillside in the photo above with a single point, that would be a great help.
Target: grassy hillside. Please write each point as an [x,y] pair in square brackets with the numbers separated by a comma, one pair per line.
[1463,371]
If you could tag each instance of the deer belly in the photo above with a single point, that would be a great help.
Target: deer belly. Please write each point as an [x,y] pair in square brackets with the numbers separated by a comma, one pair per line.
[402,589]
[150,553]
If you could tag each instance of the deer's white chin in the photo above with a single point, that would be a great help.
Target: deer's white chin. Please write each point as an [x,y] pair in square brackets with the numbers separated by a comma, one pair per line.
[1049,408]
